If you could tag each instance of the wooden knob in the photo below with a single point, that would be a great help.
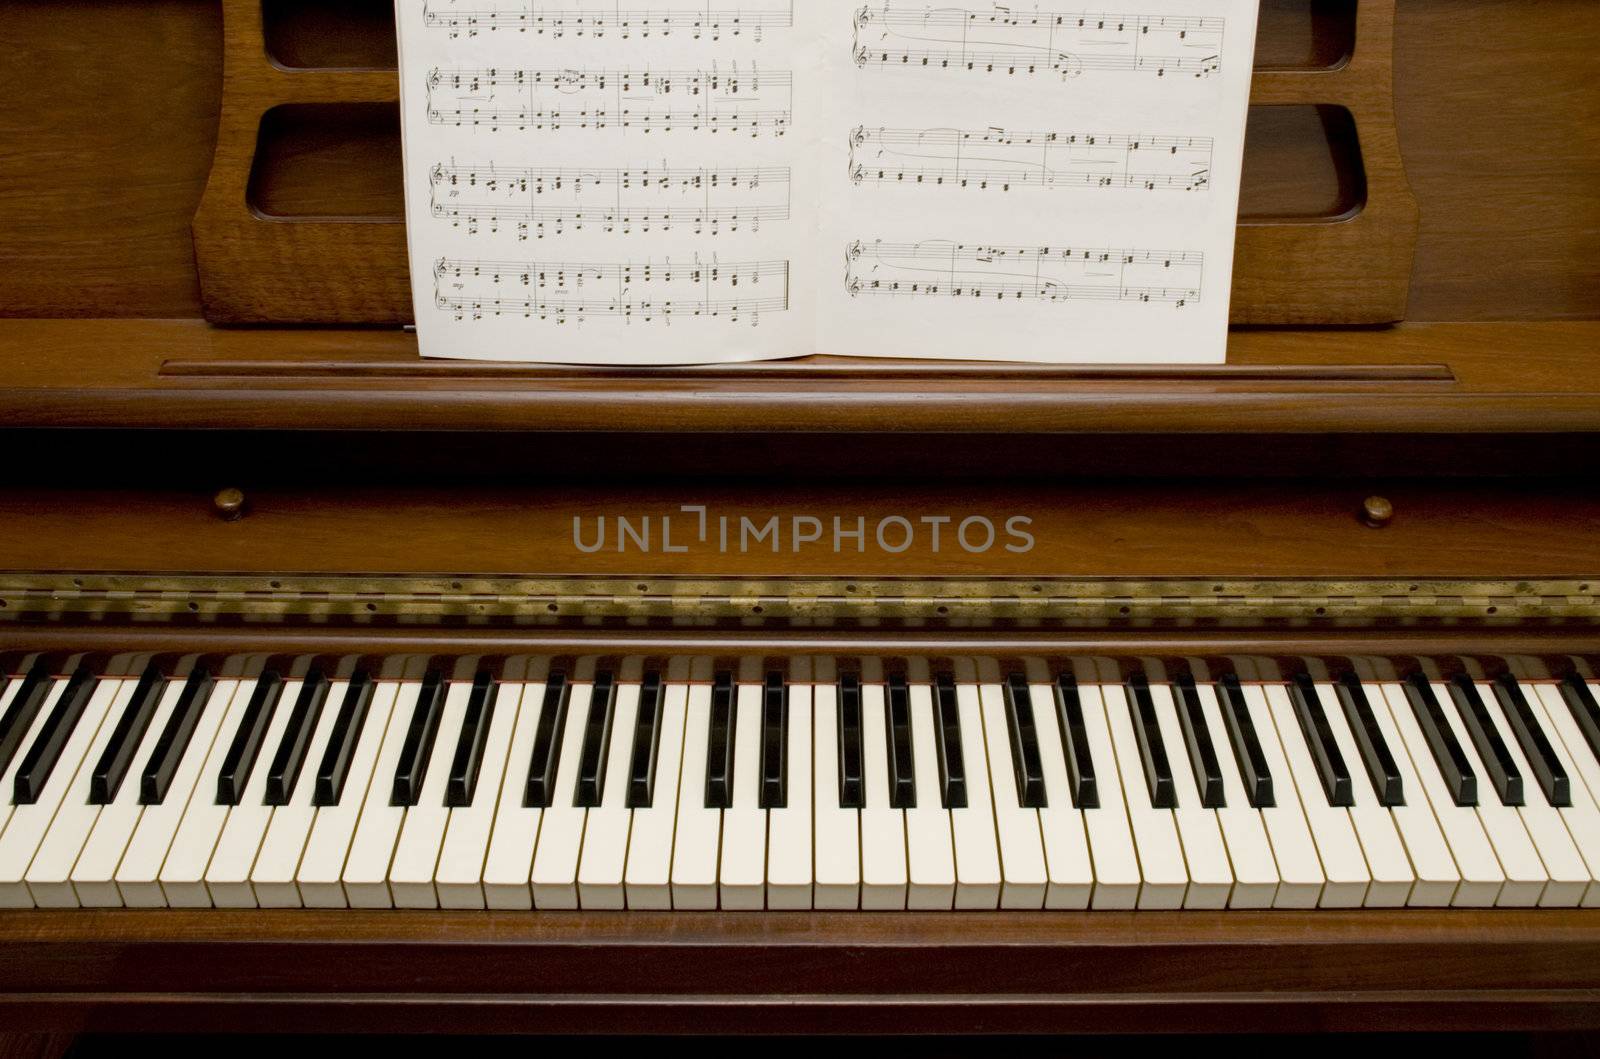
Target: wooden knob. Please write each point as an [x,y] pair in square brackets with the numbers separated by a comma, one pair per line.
[229,505]
[1377,511]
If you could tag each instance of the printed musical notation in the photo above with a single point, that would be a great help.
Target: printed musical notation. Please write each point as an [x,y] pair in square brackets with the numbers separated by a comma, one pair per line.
[541,200]
[1035,273]
[1001,160]
[625,19]
[1014,40]
[571,292]
[731,101]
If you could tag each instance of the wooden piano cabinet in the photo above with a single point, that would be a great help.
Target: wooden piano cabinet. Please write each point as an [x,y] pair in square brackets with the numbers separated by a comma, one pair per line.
[1144,972]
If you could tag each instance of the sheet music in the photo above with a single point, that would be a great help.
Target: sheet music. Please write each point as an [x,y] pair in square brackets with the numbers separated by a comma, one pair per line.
[676,181]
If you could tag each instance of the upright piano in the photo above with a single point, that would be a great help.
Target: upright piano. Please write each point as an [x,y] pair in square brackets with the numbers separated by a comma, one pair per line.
[345,691]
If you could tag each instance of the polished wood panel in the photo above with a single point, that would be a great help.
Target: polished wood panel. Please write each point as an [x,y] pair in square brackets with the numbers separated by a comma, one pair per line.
[1500,119]
[110,113]
[1495,379]
[1251,530]
[798,972]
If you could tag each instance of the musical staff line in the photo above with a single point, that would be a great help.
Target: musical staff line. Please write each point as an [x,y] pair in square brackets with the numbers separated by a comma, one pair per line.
[751,18]
[714,100]
[1002,160]
[940,267]
[1006,40]
[543,200]
[569,292]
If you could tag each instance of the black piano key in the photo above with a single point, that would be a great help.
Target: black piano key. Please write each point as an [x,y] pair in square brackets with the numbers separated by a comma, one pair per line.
[947,741]
[156,779]
[1152,748]
[117,758]
[1370,744]
[417,750]
[1585,711]
[1197,739]
[1246,744]
[40,760]
[290,758]
[540,790]
[1024,734]
[1083,787]
[468,759]
[646,743]
[246,746]
[24,709]
[719,744]
[1325,755]
[902,772]
[852,785]
[1492,750]
[595,751]
[342,742]
[1454,768]
[1530,735]
[774,743]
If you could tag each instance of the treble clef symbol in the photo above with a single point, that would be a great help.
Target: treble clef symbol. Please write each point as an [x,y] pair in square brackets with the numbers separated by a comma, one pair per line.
[853,287]
[858,136]
[853,253]
[858,173]
[861,56]
[863,17]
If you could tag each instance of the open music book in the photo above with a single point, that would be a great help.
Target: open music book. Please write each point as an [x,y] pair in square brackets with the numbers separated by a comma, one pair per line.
[701,181]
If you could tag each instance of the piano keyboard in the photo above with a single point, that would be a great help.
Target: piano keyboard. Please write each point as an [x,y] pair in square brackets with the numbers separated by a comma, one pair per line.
[829,784]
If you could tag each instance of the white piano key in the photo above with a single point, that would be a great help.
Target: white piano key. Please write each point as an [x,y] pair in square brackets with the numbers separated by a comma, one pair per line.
[1301,877]
[1119,878]
[1583,816]
[1204,852]
[1459,828]
[602,864]
[741,876]
[1570,878]
[138,877]
[333,832]
[272,877]
[883,827]
[837,830]
[930,848]
[416,851]
[8,780]
[1022,861]
[1066,840]
[1526,877]
[180,873]
[94,873]
[555,860]
[49,874]
[1438,877]
[648,879]
[789,829]
[694,848]
[1394,881]
[24,834]
[366,869]
[1244,831]
[508,867]
[1155,832]
[228,875]
[979,879]
[1342,860]
[460,876]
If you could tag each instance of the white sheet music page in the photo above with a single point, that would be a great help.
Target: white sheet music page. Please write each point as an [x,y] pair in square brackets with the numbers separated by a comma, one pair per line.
[677,181]
[610,182]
